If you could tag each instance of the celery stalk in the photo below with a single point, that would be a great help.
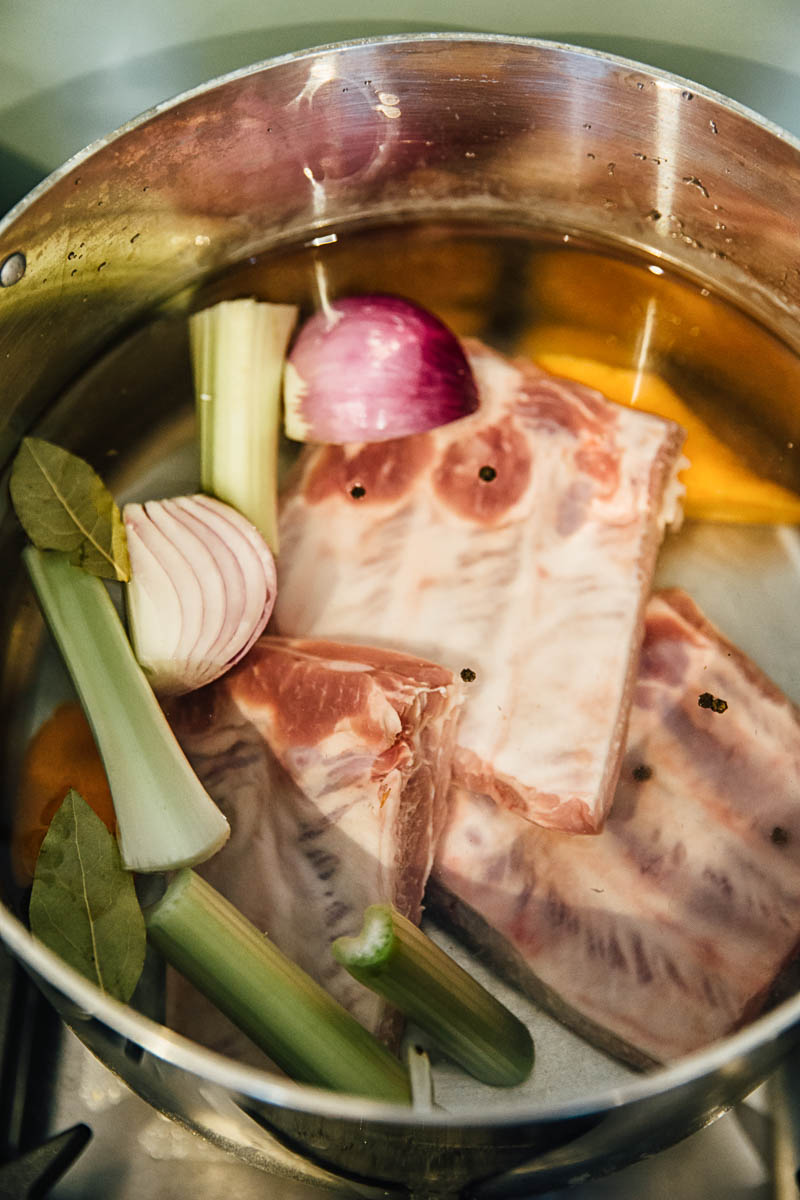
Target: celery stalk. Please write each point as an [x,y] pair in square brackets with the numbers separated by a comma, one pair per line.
[394,958]
[165,818]
[238,351]
[281,1008]
[420,1078]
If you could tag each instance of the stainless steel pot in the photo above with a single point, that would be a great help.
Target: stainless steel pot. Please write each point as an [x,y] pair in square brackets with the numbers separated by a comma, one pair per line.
[437,127]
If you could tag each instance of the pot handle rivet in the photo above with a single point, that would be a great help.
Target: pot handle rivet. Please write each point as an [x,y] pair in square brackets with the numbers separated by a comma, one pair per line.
[12,269]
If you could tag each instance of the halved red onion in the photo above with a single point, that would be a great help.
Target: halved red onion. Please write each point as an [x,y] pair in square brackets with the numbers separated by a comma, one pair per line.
[370,368]
[201,591]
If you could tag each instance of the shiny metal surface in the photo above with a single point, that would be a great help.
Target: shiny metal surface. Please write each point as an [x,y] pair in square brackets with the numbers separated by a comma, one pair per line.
[548,136]
[462,128]
[728,1160]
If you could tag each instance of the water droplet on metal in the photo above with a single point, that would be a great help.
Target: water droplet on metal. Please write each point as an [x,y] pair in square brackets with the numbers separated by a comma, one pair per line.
[695,182]
[12,269]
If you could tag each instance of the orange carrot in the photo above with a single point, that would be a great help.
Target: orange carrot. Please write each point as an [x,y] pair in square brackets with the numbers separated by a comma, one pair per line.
[61,755]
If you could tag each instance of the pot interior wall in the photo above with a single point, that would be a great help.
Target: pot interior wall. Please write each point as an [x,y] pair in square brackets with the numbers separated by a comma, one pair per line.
[467,127]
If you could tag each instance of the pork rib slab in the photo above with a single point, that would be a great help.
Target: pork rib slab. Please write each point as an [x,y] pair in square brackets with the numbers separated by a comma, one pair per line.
[517,543]
[667,930]
[326,760]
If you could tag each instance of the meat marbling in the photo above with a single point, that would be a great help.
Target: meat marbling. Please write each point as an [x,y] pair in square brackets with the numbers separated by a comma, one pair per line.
[517,543]
[667,930]
[326,759]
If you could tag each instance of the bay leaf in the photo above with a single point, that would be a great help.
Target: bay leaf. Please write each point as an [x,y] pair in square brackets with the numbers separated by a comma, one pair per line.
[83,903]
[63,504]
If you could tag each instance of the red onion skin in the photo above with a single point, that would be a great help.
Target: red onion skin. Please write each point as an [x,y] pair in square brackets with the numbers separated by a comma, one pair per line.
[371,368]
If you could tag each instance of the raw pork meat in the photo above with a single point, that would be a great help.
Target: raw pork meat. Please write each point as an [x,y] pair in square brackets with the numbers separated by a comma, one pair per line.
[518,544]
[668,930]
[326,759]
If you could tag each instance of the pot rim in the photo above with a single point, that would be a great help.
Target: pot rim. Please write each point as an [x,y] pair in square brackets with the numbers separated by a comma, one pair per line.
[91,1004]
[399,39]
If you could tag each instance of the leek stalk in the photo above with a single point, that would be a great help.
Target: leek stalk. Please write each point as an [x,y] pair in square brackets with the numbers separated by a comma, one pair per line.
[303,1029]
[165,818]
[238,352]
[399,962]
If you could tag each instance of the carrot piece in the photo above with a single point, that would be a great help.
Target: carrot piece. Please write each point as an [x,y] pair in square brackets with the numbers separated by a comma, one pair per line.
[719,485]
[60,756]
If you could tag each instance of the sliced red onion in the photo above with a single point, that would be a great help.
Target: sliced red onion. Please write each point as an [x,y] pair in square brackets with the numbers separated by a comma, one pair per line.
[369,368]
[201,591]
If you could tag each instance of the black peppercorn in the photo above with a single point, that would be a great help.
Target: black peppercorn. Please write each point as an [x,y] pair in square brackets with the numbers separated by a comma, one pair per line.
[706,700]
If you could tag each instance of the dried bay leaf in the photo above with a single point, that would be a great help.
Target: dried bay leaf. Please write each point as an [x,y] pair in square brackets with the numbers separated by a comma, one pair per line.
[63,504]
[83,903]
